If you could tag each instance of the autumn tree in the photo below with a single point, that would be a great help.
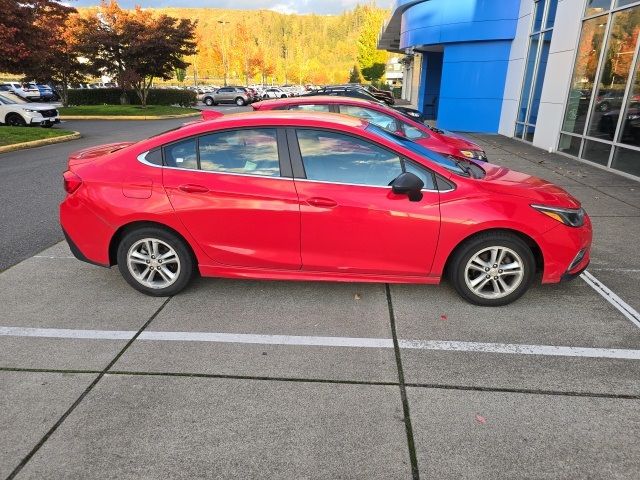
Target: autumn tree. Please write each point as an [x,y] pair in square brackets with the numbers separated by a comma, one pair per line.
[24,31]
[135,46]
[372,61]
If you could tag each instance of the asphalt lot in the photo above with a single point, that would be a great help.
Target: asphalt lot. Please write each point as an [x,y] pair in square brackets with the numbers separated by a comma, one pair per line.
[319,380]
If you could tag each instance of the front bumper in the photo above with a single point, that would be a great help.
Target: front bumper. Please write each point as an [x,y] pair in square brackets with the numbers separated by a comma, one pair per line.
[560,246]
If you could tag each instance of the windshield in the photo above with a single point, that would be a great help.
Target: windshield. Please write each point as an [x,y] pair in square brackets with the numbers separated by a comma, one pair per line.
[418,149]
[8,99]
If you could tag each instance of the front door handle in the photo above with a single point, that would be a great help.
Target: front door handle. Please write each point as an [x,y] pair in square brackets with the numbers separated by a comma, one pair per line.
[322,202]
[191,188]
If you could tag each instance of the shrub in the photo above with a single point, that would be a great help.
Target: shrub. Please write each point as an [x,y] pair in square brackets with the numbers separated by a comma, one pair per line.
[111,96]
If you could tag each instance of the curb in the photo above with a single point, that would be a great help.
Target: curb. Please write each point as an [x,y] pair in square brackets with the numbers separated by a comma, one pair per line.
[39,143]
[126,117]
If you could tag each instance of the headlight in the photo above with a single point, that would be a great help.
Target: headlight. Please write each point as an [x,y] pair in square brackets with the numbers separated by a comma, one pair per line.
[474,154]
[30,110]
[573,217]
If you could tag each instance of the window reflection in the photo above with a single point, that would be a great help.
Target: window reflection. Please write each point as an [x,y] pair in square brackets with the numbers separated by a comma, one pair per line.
[252,152]
[584,74]
[312,108]
[333,157]
[542,68]
[597,6]
[372,116]
[614,74]
[181,155]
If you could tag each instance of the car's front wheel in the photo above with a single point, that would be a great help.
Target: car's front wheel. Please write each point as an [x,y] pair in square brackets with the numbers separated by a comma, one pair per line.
[492,269]
[155,261]
[209,101]
[15,120]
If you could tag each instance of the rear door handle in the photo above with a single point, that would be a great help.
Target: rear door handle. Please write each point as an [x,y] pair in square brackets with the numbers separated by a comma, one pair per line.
[322,202]
[190,188]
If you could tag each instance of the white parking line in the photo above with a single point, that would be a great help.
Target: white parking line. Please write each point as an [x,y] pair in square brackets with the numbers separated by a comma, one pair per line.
[623,307]
[294,340]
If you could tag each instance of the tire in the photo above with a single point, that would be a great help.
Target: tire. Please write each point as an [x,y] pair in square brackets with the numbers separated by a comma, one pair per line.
[603,107]
[46,125]
[283,96]
[141,272]
[240,102]
[265,96]
[15,120]
[469,264]
[208,101]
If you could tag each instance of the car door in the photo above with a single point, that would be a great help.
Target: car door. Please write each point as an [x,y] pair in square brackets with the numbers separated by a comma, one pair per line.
[233,191]
[224,94]
[351,221]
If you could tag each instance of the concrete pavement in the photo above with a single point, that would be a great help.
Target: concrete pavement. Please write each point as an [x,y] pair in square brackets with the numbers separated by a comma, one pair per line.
[327,380]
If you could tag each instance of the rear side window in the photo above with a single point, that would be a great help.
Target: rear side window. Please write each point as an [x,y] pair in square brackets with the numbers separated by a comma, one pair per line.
[338,158]
[312,108]
[380,119]
[246,151]
[182,154]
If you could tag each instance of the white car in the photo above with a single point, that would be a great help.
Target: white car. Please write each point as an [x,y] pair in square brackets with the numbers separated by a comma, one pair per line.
[18,113]
[274,92]
[22,90]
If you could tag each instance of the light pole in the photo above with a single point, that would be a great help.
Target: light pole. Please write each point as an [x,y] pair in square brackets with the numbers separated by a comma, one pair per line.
[225,60]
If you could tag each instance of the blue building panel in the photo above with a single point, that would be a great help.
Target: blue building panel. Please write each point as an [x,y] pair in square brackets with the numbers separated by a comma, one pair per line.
[473,40]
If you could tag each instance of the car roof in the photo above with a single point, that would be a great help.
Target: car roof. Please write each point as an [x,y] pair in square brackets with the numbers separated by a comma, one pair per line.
[264,119]
[316,99]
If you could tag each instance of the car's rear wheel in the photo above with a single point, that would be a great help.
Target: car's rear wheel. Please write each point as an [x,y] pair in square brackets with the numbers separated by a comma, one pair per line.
[15,120]
[240,102]
[492,269]
[155,261]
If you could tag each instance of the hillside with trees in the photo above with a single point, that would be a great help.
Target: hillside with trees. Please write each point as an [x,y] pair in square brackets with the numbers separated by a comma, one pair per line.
[263,46]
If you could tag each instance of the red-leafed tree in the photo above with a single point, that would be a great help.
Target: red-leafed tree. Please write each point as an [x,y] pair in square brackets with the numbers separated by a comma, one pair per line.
[135,46]
[26,35]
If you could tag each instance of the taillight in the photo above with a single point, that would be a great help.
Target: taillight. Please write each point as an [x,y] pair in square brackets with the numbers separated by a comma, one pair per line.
[71,181]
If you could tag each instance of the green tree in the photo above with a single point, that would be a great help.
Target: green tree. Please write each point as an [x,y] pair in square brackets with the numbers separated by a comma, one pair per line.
[355,75]
[375,72]
[181,74]
[368,53]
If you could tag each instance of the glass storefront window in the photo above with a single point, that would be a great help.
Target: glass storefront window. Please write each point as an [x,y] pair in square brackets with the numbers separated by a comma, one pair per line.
[584,74]
[627,160]
[536,67]
[605,88]
[528,77]
[538,15]
[570,145]
[630,129]
[596,152]
[597,6]
[618,59]
[624,3]
[542,68]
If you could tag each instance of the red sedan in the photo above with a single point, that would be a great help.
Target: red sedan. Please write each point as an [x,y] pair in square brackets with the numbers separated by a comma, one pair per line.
[316,196]
[385,117]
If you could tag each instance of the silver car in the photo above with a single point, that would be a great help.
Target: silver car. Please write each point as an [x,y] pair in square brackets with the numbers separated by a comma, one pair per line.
[237,95]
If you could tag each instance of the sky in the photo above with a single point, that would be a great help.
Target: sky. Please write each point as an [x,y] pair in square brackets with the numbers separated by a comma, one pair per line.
[283,6]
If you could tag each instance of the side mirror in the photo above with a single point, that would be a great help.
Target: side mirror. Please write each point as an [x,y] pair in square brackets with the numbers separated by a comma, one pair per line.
[408,184]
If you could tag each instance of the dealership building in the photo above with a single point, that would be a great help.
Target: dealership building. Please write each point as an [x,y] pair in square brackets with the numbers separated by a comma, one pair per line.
[561,74]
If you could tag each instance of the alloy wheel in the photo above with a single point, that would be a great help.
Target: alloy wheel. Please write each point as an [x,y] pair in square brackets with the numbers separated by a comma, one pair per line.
[494,272]
[153,263]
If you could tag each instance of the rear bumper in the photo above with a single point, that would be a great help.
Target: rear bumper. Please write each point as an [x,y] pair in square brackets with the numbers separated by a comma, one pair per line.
[87,235]
[76,251]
